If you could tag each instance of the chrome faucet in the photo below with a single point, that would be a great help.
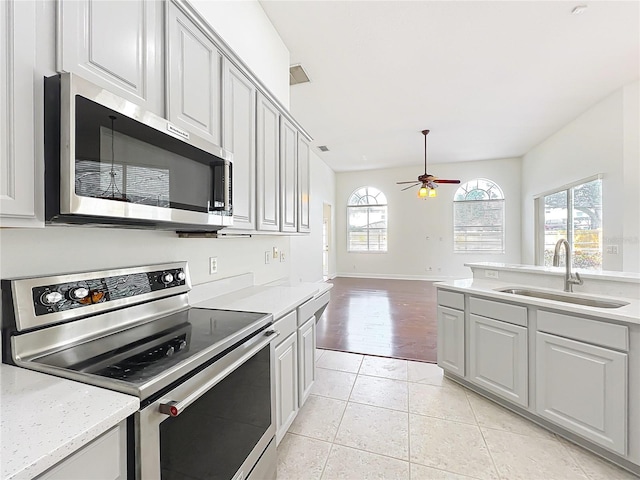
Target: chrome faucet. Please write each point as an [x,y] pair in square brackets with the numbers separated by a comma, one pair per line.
[569,279]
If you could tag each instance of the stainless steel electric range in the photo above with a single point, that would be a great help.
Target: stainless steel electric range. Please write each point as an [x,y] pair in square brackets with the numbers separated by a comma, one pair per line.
[205,378]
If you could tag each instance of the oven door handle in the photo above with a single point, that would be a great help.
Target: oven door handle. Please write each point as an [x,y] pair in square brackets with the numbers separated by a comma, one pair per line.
[173,409]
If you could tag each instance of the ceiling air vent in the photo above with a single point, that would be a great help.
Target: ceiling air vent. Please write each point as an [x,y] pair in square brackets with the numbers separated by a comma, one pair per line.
[297,75]
[323,148]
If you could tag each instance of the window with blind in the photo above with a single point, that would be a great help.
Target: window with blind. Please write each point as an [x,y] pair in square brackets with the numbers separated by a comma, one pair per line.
[367,221]
[478,217]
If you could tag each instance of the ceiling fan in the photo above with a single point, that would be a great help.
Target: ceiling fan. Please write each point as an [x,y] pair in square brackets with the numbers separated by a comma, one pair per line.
[428,182]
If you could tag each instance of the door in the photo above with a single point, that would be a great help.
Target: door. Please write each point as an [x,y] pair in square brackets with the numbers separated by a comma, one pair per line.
[304,184]
[117,45]
[584,389]
[288,176]
[498,358]
[451,340]
[240,140]
[268,165]
[194,78]
[306,354]
[286,356]
[17,135]
[326,240]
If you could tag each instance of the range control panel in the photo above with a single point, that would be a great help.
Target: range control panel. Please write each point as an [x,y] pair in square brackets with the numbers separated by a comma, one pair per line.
[69,295]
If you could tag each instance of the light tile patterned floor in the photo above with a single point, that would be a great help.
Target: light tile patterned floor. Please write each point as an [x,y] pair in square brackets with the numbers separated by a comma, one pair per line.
[381,418]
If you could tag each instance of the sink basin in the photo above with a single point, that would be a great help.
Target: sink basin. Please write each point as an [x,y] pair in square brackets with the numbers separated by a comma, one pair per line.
[566,298]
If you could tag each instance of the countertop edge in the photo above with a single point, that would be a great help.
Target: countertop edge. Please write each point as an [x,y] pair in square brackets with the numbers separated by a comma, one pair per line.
[628,314]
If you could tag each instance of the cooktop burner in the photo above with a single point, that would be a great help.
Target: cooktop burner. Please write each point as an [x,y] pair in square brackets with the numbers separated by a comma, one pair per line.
[141,354]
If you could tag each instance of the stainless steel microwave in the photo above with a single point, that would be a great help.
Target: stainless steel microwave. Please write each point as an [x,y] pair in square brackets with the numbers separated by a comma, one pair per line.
[110,162]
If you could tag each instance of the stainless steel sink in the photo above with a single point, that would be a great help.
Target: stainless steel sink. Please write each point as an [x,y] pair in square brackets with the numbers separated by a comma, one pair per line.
[561,297]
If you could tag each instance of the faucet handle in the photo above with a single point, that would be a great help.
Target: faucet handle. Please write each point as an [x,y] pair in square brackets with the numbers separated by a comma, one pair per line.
[577,280]
[580,281]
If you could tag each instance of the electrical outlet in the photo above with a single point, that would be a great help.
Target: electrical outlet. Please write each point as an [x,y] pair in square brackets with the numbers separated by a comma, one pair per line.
[213,265]
[282,256]
[491,274]
[267,257]
[612,249]
[275,252]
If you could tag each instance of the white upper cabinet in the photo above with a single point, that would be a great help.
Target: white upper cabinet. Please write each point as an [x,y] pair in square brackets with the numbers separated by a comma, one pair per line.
[304,181]
[240,139]
[194,78]
[268,165]
[117,45]
[17,134]
[288,176]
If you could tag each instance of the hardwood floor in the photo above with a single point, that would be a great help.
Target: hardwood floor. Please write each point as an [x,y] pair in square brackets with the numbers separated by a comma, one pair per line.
[387,318]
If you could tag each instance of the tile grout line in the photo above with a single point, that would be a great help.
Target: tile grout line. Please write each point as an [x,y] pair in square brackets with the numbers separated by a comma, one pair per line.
[495,467]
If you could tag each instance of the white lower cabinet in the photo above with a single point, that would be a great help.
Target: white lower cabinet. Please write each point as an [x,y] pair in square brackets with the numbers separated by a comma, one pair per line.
[498,358]
[451,340]
[105,458]
[286,361]
[583,388]
[306,359]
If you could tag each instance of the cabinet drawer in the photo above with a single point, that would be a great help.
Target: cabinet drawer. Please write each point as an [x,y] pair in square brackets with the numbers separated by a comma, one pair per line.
[451,299]
[590,331]
[515,314]
[306,311]
[286,326]
[104,458]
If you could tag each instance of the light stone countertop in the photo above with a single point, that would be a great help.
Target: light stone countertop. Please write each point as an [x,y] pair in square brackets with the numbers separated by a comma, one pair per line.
[275,299]
[487,288]
[44,419]
[630,277]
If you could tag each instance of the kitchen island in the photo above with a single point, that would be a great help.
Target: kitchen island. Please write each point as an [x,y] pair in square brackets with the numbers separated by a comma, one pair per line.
[572,368]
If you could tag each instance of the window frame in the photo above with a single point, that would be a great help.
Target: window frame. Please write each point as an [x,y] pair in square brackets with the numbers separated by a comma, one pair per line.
[501,199]
[539,216]
[367,206]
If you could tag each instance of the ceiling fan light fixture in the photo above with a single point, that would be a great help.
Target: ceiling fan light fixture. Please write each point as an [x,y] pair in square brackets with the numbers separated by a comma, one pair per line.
[423,192]
[433,193]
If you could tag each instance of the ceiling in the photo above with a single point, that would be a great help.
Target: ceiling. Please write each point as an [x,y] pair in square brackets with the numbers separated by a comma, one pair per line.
[489,79]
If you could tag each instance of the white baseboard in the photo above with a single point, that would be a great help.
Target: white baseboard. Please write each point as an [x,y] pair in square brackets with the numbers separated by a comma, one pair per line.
[385,276]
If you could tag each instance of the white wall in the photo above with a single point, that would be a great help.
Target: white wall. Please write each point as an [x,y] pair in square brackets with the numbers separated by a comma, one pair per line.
[50,250]
[249,32]
[420,232]
[603,140]
[306,251]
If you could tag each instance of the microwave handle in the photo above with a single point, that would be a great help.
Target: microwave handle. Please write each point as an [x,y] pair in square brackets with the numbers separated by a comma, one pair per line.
[228,176]
[174,409]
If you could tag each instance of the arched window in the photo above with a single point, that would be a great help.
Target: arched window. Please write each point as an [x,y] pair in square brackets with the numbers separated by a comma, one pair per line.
[478,217]
[367,221]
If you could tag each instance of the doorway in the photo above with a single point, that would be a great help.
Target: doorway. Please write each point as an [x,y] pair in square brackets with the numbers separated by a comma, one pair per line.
[326,239]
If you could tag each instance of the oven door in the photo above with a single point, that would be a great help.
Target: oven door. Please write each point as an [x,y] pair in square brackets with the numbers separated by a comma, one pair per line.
[224,420]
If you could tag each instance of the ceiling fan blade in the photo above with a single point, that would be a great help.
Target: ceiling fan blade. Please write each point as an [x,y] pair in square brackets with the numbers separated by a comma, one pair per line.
[399,183]
[441,180]
[410,186]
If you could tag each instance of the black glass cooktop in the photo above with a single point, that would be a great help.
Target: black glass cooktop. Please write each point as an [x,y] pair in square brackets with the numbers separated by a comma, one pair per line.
[144,353]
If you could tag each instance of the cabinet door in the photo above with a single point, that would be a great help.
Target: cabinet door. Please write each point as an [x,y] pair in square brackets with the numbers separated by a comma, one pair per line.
[194,76]
[104,458]
[306,355]
[451,340]
[286,354]
[17,136]
[583,388]
[288,176]
[498,358]
[240,139]
[268,165]
[117,45]
[304,181]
